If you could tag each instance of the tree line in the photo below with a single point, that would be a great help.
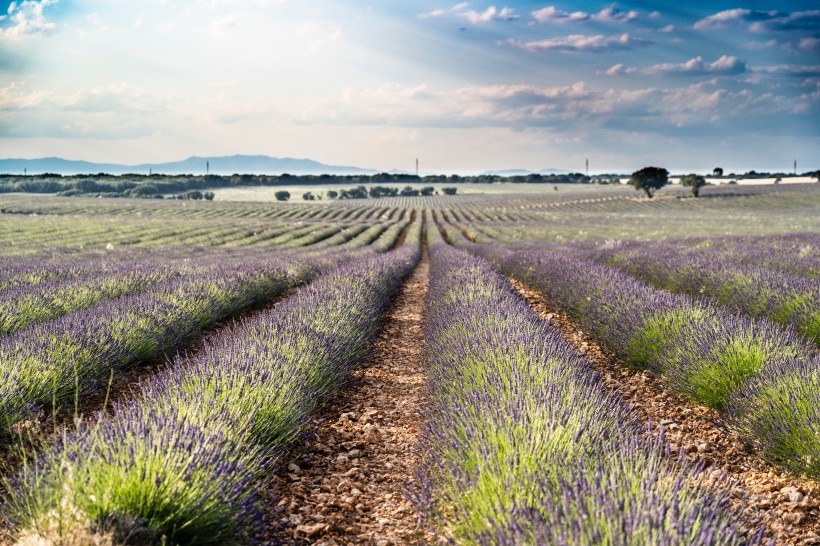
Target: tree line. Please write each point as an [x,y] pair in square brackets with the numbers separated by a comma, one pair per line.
[158,185]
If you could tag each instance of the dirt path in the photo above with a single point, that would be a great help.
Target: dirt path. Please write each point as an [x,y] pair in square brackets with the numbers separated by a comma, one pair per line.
[788,506]
[345,485]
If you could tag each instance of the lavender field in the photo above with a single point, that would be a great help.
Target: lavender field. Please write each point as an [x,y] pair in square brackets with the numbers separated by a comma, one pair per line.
[595,369]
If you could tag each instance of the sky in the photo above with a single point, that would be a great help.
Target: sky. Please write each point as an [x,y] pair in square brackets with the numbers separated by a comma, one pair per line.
[465,87]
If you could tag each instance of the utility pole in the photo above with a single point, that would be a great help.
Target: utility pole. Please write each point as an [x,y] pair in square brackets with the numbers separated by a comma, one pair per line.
[417,167]
[795,166]
[207,167]
[587,167]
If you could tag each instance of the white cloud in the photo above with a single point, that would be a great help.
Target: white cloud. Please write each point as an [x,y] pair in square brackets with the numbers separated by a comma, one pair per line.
[475,17]
[725,65]
[760,21]
[109,111]
[668,28]
[490,14]
[608,14]
[809,44]
[790,70]
[433,13]
[26,18]
[580,42]
[651,109]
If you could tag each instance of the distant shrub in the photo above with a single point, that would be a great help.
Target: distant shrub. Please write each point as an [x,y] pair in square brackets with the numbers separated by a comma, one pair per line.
[694,181]
[145,190]
[282,195]
[359,192]
[449,190]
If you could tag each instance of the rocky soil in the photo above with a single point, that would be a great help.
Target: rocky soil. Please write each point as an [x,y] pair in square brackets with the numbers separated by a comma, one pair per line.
[346,484]
[786,505]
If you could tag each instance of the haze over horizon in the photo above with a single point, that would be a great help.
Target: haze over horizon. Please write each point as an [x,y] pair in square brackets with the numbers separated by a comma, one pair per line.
[466,87]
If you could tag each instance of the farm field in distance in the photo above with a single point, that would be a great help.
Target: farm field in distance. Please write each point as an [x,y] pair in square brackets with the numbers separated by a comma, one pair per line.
[526,366]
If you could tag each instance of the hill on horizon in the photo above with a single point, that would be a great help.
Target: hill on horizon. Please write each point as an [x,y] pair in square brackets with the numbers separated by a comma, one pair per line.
[222,165]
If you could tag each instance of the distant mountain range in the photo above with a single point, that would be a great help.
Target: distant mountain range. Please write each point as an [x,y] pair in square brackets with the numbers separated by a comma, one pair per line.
[225,165]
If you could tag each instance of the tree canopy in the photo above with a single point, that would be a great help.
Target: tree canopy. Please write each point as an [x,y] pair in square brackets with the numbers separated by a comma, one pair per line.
[649,179]
[694,181]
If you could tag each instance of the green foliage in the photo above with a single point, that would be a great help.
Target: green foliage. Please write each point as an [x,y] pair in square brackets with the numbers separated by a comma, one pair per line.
[694,181]
[449,190]
[145,190]
[649,179]
[282,195]
[659,333]
[359,192]
[382,191]
[195,195]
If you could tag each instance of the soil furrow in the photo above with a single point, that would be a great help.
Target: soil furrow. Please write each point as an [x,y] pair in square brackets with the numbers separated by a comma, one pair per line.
[788,506]
[346,483]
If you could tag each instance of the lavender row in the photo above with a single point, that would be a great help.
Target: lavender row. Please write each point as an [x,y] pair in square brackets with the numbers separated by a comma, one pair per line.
[60,360]
[179,463]
[64,358]
[730,362]
[758,292]
[794,254]
[65,265]
[523,445]
[23,306]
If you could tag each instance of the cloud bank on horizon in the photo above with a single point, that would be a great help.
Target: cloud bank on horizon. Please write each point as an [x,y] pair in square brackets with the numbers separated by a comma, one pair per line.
[467,87]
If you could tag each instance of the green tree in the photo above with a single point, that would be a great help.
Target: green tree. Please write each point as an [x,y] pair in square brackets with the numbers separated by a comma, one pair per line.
[694,181]
[282,195]
[649,179]
[332,194]
[449,191]
[718,171]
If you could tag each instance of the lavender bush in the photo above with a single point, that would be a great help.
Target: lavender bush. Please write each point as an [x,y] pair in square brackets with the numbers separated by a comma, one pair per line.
[178,463]
[753,290]
[522,445]
[702,350]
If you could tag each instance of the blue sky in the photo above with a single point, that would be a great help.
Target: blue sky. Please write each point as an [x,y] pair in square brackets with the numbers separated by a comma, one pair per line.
[466,87]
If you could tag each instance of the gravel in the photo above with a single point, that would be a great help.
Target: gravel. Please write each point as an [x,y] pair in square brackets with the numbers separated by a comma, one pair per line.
[346,483]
